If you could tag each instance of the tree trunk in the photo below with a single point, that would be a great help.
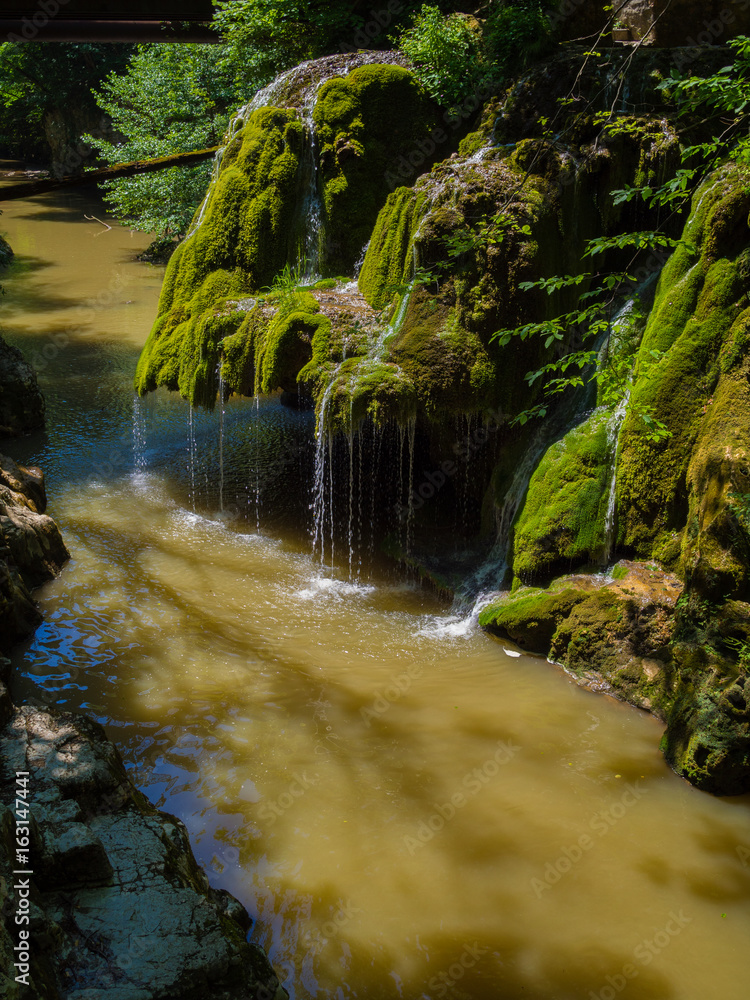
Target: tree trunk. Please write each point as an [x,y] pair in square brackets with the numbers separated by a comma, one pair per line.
[10,192]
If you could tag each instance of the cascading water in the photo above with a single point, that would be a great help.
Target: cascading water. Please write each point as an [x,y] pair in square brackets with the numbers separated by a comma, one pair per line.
[613,441]
[192,455]
[323,482]
[221,442]
[139,434]
[312,207]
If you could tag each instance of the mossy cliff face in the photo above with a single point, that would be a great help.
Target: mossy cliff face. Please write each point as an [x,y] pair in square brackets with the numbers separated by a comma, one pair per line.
[254,222]
[364,123]
[675,496]
[248,231]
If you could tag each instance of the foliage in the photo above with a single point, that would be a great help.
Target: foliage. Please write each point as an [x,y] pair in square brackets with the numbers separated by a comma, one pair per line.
[740,504]
[723,97]
[38,79]
[445,52]
[265,37]
[286,284]
[516,33]
[487,232]
[172,99]
[455,55]
[742,649]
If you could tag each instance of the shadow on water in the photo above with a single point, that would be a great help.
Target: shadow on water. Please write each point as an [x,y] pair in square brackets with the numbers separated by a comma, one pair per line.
[491,967]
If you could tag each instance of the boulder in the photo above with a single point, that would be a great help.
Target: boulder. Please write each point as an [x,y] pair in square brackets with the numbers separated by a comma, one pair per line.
[31,549]
[119,907]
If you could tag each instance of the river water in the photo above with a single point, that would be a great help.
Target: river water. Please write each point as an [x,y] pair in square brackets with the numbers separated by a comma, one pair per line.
[407,807]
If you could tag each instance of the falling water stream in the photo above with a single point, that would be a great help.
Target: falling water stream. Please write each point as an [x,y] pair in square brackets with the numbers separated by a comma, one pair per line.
[407,807]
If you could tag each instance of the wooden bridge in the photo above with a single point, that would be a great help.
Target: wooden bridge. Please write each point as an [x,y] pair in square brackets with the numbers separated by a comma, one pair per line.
[106,21]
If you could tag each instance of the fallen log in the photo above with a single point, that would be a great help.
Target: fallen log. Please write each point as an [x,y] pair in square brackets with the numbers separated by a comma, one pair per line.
[10,192]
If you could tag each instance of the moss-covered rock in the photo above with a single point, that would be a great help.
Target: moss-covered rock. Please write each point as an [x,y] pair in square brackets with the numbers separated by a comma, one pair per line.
[708,735]
[248,229]
[365,122]
[563,517]
[530,619]
[682,484]
[254,224]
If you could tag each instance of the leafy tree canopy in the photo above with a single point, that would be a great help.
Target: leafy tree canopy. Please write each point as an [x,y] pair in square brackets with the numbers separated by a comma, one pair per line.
[172,99]
[37,79]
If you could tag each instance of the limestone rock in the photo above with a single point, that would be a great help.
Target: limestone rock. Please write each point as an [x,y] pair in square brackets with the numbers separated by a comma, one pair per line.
[31,549]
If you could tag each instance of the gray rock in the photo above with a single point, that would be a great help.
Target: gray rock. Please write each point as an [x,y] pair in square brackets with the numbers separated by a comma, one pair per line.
[31,549]
[120,905]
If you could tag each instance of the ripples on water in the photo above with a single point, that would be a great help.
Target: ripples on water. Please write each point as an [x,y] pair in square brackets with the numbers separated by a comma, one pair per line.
[399,802]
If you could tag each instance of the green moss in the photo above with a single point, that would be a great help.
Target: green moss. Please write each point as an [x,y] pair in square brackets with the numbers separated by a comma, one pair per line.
[530,618]
[474,141]
[388,263]
[708,736]
[366,122]
[279,348]
[696,324]
[251,227]
[562,519]
[367,388]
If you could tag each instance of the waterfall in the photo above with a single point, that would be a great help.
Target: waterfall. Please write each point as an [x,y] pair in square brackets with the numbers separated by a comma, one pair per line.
[207,197]
[323,481]
[257,463]
[139,434]
[613,441]
[312,206]
[221,442]
[192,455]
